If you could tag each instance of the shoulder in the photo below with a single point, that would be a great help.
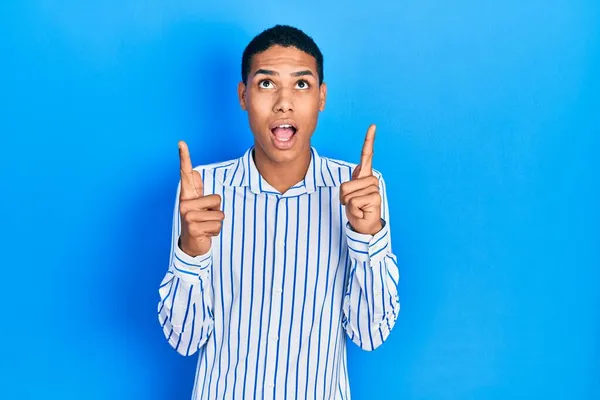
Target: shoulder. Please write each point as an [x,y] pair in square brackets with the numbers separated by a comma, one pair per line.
[217,167]
[345,167]
[214,175]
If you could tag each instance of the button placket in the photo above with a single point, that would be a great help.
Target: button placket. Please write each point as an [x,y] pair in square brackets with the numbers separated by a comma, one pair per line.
[276,296]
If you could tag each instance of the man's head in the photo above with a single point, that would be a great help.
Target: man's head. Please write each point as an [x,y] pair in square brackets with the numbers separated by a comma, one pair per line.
[283,91]
[285,36]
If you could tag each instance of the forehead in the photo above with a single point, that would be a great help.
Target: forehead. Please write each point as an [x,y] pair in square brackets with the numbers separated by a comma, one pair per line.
[284,58]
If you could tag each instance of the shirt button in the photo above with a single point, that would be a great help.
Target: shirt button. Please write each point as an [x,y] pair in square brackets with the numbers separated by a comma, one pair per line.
[278,291]
[271,386]
[274,338]
[377,293]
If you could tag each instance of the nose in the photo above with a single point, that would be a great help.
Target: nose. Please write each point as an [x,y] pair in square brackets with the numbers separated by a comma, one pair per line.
[284,102]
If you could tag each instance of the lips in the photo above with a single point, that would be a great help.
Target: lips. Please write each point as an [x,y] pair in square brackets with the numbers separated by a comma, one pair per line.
[283,133]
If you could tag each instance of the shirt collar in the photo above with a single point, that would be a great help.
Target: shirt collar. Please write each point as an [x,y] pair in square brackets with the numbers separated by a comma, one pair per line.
[243,173]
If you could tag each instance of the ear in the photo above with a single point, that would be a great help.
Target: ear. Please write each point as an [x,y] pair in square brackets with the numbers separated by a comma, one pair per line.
[242,95]
[322,96]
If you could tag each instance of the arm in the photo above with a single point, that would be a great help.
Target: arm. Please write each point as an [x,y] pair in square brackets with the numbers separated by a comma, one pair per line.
[186,296]
[371,303]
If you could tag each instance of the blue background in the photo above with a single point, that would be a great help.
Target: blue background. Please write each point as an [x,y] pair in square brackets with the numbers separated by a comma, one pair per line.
[488,122]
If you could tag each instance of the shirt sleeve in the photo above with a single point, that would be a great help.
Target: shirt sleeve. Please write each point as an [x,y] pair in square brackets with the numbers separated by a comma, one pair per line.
[186,295]
[371,302]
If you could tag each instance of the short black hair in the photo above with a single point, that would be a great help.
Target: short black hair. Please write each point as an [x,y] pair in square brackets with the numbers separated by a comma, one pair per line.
[282,35]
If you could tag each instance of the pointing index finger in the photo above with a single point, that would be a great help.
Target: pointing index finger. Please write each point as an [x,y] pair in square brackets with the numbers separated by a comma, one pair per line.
[366,157]
[188,189]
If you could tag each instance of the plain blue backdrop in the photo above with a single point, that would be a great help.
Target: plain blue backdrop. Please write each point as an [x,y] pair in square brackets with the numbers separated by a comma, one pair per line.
[488,122]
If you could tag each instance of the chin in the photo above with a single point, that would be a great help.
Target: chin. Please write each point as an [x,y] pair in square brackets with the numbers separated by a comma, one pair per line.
[285,155]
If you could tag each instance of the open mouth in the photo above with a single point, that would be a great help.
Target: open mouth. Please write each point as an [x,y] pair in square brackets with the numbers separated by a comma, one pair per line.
[283,132]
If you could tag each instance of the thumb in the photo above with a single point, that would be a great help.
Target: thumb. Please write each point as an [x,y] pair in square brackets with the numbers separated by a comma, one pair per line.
[356,172]
[198,184]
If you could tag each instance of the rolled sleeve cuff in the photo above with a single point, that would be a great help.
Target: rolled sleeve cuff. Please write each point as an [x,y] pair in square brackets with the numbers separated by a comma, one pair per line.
[369,248]
[191,268]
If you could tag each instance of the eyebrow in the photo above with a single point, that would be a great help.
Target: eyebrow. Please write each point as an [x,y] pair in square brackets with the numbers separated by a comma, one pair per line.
[273,73]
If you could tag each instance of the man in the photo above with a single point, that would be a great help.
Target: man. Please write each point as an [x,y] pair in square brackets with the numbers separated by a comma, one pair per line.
[280,255]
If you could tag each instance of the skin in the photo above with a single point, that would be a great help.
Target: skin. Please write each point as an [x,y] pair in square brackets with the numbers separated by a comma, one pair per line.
[201,217]
[360,195]
[282,87]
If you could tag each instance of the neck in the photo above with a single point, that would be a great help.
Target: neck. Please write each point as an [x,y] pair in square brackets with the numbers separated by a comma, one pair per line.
[281,175]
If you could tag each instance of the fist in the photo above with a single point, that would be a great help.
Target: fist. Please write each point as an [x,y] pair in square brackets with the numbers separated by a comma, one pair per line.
[201,216]
[360,195]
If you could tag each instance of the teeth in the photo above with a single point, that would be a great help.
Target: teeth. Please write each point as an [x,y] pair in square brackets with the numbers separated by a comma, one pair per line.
[285,126]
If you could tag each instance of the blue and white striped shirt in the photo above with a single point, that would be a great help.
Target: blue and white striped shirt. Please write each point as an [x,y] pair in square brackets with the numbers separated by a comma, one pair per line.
[270,307]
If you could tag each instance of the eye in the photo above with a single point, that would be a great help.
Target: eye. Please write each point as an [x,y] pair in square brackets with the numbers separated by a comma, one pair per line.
[302,84]
[265,84]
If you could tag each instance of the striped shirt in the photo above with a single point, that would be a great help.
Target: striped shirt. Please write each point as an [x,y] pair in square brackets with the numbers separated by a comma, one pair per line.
[271,306]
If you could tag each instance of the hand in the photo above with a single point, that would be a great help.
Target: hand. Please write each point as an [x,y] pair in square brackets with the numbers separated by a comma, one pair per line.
[361,194]
[201,217]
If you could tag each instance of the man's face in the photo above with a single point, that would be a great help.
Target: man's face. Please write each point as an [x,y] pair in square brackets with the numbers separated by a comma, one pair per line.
[283,99]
